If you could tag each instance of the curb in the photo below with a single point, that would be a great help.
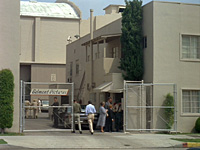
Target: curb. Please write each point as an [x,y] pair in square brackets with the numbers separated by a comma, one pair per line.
[191,144]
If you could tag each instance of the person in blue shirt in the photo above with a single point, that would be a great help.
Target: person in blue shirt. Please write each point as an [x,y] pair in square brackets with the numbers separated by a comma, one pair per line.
[90,111]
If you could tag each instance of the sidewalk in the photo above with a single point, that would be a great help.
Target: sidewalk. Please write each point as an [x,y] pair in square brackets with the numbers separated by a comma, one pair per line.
[99,140]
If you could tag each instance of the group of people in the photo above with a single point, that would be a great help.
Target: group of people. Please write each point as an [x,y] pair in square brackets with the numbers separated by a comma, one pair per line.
[107,115]
[33,108]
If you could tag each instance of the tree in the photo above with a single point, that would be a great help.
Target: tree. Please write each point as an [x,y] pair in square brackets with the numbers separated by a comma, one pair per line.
[169,112]
[131,40]
[6,99]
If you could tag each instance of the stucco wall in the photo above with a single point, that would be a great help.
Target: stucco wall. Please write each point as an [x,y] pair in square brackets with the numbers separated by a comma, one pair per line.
[170,21]
[44,39]
[10,46]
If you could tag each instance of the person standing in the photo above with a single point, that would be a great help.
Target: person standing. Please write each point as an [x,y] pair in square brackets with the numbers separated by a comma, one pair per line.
[110,119]
[102,117]
[35,109]
[108,103]
[90,111]
[55,112]
[118,116]
[76,116]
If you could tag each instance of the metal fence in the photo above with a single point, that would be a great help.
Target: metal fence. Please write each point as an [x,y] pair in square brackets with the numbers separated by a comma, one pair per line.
[36,110]
[150,107]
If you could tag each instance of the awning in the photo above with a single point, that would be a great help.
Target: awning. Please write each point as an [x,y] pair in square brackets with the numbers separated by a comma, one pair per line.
[116,91]
[105,87]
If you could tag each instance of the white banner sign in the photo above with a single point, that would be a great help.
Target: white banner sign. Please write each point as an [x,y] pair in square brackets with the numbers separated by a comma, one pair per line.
[54,92]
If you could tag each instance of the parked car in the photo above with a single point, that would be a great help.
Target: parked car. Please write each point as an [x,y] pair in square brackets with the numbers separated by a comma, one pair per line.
[44,106]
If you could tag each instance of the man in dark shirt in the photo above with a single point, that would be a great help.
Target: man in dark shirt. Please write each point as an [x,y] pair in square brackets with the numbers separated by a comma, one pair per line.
[76,116]
[55,112]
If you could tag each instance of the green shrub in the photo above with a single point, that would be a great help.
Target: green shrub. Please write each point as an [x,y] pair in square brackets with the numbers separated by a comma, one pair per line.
[197,125]
[169,112]
[6,99]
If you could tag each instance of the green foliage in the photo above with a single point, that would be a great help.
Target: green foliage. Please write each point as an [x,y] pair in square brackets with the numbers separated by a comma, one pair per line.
[131,40]
[169,112]
[197,125]
[6,98]
[2,141]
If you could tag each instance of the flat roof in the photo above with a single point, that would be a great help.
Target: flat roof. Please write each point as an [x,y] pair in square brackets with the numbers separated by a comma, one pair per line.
[41,9]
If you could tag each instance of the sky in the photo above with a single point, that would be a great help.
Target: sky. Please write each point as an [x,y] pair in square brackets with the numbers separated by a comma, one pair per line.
[99,5]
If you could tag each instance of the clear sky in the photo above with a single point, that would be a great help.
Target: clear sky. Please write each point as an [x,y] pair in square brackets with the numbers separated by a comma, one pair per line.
[99,5]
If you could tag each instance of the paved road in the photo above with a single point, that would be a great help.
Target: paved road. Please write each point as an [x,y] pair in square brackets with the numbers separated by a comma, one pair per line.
[67,140]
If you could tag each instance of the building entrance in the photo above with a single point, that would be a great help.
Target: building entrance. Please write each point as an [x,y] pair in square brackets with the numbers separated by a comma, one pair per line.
[46,106]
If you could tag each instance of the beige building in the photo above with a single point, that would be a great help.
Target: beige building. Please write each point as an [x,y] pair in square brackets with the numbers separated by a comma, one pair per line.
[171,55]
[10,48]
[90,83]
[46,28]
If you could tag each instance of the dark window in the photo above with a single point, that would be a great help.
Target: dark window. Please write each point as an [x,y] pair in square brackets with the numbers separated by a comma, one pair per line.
[145,42]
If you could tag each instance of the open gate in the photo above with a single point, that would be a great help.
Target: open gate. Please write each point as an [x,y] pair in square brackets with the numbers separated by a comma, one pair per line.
[36,110]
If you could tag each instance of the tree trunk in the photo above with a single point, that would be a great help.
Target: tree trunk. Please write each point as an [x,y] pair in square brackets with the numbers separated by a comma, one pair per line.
[2,130]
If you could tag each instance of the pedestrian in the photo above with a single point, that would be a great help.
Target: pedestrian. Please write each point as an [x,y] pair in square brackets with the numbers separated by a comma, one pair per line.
[35,108]
[76,116]
[108,103]
[90,111]
[55,112]
[102,116]
[39,104]
[110,119]
[118,115]
[27,109]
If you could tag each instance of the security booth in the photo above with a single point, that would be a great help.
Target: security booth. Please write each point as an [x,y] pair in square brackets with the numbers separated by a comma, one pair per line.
[45,104]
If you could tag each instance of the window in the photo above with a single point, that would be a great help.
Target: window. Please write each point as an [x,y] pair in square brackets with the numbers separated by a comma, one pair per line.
[145,42]
[115,52]
[77,67]
[71,68]
[190,47]
[191,101]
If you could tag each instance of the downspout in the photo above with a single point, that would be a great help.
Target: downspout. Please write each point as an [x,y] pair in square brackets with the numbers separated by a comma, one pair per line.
[91,46]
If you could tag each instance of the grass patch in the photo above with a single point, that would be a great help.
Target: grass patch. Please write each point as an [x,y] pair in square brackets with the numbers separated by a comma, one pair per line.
[2,141]
[187,140]
[11,134]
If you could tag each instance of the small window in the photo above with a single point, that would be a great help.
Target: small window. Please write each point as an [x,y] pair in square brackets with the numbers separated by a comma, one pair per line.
[115,52]
[77,67]
[145,42]
[71,68]
[191,101]
[190,47]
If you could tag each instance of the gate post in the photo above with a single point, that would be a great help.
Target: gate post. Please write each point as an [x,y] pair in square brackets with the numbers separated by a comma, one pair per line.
[21,109]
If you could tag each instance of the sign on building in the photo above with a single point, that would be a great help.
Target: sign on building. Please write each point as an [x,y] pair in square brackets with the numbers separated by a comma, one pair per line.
[51,92]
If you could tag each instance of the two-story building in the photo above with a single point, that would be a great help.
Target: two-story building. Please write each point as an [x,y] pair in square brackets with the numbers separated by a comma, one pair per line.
[171,55]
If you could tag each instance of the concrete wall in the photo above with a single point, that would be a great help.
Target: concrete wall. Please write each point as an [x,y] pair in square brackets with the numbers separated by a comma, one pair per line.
[10,48]
[148,52]
[171,20]
[44,39]
[42,73]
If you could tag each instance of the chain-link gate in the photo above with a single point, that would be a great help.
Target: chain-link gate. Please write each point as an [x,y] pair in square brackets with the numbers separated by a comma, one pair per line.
[37,110]
[149,107]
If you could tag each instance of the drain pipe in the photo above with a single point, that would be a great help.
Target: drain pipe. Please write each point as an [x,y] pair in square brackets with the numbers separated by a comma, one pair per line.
[91,46]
